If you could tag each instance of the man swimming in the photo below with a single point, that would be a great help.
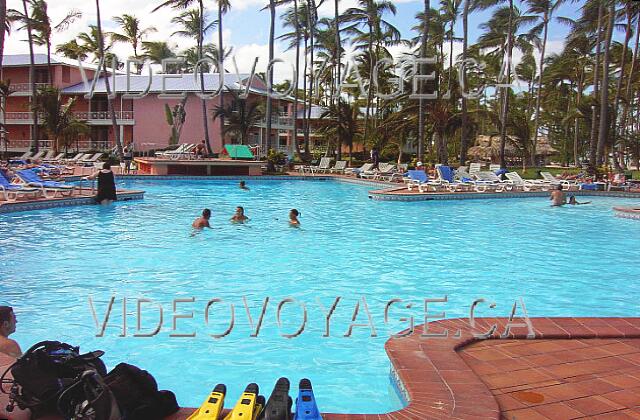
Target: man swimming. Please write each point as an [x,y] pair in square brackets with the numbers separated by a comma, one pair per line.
[293,217]
[203,221]
[557,197]
[8,323]
[239,216]
[243,186]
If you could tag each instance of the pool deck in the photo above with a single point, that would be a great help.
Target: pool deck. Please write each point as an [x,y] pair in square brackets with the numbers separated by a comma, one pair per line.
[570,368]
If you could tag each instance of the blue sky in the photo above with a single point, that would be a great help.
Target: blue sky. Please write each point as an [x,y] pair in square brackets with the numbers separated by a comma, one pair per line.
[247,27]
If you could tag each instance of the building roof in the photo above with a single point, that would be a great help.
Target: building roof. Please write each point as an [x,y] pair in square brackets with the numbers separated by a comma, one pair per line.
[173,83]
[22,60]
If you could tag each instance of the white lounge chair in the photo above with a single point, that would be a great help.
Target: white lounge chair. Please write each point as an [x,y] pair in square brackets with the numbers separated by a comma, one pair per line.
[494,167]
[92,159]
[57,158]
[25,155]
[446,177]
[74,159]
[418,178]
[475,168]
[339,167]
[525,184]
[323,166]
[38,155]
[166,153]
[549,178]
[186,152]
[493,181]
[384,169]
[355,171]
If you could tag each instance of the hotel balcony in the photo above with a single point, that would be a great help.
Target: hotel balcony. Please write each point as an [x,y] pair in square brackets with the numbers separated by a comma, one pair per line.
[278,122]
[24,89]
[92,118]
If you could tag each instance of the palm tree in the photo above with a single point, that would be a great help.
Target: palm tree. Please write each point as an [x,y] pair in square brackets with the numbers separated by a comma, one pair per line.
[604,94]
[156,51]
[190,21]
[132,34]
[341,123]
[5,92]
[241,116]
[376,32]
[71,49]
[58,120]
[544,8]
[272,13]
[102,52]
[32,79]
[223,8]
[190,56]
[423,54]
[183,5]
[4,26]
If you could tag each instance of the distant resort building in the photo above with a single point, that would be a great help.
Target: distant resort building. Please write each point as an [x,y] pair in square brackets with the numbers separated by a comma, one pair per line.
[141,121]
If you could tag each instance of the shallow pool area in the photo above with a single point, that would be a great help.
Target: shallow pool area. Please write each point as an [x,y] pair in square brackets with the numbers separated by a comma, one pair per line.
[571,261]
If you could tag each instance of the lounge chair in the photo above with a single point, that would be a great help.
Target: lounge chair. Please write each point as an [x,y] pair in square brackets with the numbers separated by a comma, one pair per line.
[323,166]
[30,178]
[384,169]
[493,168]
[356,171]
[475,168]
[57,158]
[418,178]
[186,152]
[446,177]
[549,178]
[25,155]
[92,160]
[395,174]
[166,153]
[38,155]
[493,181]
[74,159]
[8,189]
[339,167]
[525,184]
[48,156]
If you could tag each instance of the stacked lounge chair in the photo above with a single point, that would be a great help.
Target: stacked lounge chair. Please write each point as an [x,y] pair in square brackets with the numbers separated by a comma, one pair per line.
[30,178]
[10,190]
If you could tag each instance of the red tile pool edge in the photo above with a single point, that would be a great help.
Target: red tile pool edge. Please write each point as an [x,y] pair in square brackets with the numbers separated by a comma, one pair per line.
[437,381]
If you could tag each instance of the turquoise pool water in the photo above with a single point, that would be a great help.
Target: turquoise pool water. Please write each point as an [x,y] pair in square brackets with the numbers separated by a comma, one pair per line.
[579,261]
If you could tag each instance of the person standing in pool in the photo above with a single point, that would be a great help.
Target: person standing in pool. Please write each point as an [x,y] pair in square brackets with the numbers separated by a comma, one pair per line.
[203,221]
[239,216]
[8,323]
[106,185]
[243,186]
[293,217]
[557,197]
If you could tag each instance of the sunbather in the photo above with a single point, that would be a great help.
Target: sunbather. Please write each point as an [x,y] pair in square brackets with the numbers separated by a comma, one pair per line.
[557,197]
[203,221]
[7,327]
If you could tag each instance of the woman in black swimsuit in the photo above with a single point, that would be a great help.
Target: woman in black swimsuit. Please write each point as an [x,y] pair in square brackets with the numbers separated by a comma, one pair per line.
[106,185]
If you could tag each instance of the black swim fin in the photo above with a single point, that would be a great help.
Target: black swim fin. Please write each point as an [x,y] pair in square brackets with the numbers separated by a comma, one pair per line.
[279,404]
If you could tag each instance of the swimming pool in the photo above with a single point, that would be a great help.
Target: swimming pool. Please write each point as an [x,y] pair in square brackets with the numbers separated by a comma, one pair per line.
[578,261]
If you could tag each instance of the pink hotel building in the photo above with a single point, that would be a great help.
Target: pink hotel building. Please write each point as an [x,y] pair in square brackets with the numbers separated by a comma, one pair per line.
[140,120]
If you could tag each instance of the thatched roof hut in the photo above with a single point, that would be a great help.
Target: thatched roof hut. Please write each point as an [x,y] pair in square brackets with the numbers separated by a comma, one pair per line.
[487,148]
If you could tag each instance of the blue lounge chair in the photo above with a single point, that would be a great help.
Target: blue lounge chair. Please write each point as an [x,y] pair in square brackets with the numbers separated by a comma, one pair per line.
[448,179]
[31,178]
[8,189]
[418,178]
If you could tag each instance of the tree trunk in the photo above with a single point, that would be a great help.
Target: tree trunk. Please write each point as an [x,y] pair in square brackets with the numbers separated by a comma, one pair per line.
[604,92]
[203,102]
[464,142]
[423,54]
[593,143]
[272,11]
[305,99]
[338,54]
[296,81]
[311,17]
[221,71]
[3,19]
[616,101]
[49,69]
[114,121]
[35,145]
[505,101]
[628,96]
[534,143]
[576,122]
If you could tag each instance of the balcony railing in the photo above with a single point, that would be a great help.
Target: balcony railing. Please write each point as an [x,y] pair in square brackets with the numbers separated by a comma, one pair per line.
[81,145]
[103,115]
[26,87]
[19,116]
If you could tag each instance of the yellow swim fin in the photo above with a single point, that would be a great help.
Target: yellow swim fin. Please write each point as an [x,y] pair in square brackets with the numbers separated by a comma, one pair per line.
[248,406]
[213,405]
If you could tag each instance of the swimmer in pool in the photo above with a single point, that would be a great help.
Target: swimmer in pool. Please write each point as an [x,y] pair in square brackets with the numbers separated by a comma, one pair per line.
[203,221]
[293,217]
[243,186]
[574,202]
[239,217]
[557,197]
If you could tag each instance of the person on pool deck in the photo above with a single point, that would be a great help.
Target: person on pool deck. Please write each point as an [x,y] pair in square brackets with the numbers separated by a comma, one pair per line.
[557,197]
[203,221]
[239,217]
[106,185]
[7,327]
[574,202]
[201,150]
[293,217]
[243,186]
